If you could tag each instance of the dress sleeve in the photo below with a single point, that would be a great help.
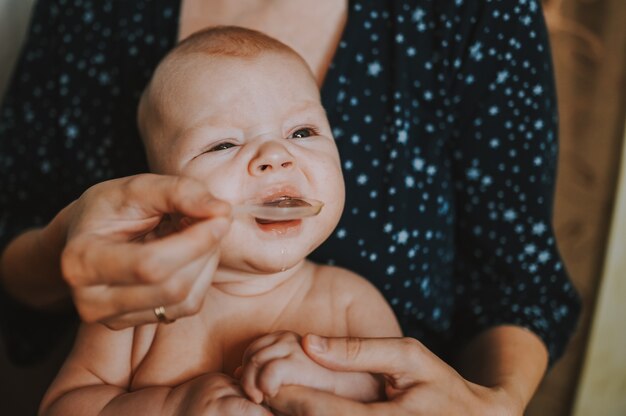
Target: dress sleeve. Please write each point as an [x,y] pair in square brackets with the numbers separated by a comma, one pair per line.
[508,266]
[29,185]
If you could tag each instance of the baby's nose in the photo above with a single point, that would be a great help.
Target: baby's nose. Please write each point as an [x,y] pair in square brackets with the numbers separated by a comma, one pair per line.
[271,156]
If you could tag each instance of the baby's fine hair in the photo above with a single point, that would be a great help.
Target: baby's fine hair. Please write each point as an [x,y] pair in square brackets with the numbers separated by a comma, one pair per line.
[232,41]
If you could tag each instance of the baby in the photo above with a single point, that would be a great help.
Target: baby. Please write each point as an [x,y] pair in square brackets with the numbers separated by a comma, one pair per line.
[242,112]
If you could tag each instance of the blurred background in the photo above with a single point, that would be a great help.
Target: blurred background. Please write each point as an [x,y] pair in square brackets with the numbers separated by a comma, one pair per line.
[589,48]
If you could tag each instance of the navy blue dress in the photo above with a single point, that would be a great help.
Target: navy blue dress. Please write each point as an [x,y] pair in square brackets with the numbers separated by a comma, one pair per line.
[444,112]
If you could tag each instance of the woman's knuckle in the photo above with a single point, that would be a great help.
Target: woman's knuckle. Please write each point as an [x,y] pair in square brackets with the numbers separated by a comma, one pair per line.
[133,184]
[71,267]
[86,313]
[410,345]
[411,350]
[353,348]
[183,309]
[175,291]
[148,270]
[182,187]
[93,192]
[190,305]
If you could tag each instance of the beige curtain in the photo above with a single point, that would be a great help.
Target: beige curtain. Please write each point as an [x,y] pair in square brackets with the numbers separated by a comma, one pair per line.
[589,48]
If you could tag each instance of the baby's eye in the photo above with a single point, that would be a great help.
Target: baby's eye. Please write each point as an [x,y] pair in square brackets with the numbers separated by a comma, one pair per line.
[303,132]
[221,146]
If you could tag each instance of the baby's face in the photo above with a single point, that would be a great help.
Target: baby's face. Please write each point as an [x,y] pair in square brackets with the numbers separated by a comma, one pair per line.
[254,128]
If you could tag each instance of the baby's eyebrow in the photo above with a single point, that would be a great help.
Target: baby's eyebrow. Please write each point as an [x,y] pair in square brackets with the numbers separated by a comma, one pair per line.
[211,121]
[192,139]
[307,107]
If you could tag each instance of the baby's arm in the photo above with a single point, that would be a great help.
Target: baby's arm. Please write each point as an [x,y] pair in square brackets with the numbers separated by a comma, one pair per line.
[278,359]
[96,372]
[95,379]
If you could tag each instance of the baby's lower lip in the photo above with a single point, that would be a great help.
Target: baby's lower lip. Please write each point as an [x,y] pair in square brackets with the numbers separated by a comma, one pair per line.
[278,227]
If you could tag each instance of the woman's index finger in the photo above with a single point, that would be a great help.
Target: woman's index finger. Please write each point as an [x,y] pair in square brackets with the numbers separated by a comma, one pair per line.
[168,194]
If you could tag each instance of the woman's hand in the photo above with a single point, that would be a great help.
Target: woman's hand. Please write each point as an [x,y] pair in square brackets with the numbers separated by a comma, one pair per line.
[277,359]
[214,394]
[120,267]
[417,382]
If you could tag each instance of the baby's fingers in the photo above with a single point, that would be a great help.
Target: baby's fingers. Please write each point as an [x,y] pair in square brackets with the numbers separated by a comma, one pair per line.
[276,374]
[255,363]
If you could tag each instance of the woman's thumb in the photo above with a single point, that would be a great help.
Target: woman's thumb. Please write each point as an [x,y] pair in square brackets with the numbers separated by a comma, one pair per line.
[372,355]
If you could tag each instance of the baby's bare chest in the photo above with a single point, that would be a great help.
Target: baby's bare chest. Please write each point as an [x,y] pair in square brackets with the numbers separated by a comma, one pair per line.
[168,355]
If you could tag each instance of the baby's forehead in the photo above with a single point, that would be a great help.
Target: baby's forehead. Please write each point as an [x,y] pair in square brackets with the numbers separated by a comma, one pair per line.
[180,64]
[238,45]
[194,79]
[191,72]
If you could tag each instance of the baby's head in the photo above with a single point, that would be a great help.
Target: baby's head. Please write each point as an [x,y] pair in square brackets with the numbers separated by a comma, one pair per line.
[241,111]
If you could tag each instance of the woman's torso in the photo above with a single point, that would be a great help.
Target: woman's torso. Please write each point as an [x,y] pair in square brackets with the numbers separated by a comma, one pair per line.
[382,101]
[313,32]
[432,141]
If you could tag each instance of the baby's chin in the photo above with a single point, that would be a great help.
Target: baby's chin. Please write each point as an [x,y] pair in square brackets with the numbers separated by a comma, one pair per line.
[269,257]
[266,266]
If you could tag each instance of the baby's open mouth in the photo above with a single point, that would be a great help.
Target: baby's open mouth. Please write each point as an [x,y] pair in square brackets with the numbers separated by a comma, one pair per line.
[283,201]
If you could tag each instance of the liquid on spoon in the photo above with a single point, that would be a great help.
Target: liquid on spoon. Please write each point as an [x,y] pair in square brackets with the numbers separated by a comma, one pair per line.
[281,209]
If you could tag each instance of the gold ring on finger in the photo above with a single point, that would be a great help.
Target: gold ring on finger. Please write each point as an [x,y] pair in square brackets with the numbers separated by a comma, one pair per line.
[159,311]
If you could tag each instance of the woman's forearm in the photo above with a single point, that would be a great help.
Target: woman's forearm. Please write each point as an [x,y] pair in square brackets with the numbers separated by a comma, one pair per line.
[30,265]
[507,357]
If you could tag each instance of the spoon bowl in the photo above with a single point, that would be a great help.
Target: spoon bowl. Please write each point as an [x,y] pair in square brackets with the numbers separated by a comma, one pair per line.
[282,209]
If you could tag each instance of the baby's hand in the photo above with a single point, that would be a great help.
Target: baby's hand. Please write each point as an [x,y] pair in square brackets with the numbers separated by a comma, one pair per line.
[214,394]
[276,360]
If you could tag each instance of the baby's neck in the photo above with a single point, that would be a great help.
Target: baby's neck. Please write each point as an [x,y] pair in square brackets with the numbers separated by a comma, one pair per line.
[242,284]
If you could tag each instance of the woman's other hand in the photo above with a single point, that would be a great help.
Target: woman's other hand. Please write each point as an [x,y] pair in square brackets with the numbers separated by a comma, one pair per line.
[277,359]
[417,382]
[119,270]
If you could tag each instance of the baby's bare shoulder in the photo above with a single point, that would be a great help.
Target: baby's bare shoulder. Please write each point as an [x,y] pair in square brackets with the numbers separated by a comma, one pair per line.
[367,312]
[343,282]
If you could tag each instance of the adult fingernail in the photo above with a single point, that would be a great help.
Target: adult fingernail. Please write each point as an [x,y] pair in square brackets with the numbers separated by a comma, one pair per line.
[219,227]
[317,344]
